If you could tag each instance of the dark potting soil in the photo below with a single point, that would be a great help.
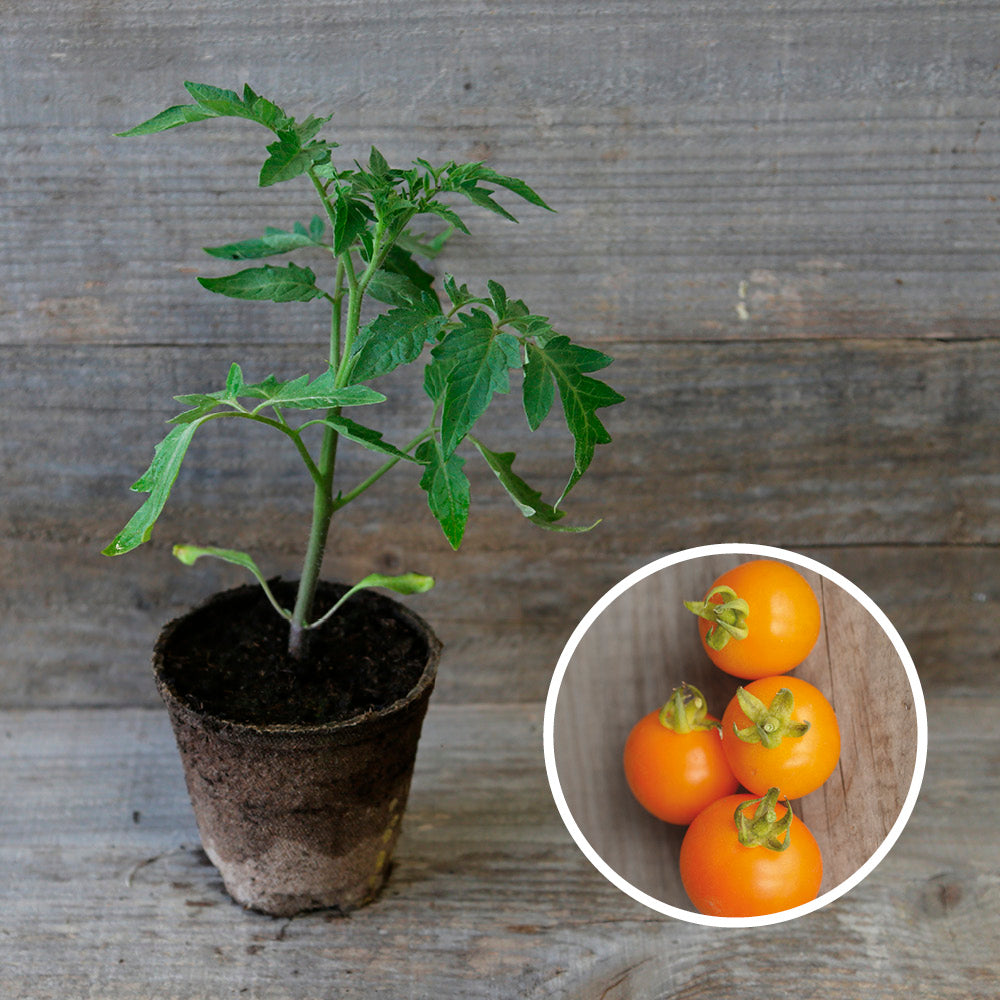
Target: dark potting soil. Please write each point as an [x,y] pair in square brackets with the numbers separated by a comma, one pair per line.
[232,660]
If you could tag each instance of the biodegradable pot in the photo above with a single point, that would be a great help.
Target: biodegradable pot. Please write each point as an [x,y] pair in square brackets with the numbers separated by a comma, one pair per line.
[298,817]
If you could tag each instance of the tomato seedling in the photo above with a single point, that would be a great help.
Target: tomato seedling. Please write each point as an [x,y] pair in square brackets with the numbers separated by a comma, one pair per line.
[470,344]
[745,857]
[758,620]
[674,761]
[781,731]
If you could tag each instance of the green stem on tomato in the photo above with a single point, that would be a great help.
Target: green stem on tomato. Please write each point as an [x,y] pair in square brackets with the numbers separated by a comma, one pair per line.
[769,724]
[726,617]
[686,711]
[764,828]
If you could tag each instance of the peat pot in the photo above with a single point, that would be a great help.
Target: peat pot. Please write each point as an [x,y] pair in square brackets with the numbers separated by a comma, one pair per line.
[298,815]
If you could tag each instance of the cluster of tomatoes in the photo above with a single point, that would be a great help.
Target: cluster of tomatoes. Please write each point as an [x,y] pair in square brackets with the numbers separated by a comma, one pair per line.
[743,855]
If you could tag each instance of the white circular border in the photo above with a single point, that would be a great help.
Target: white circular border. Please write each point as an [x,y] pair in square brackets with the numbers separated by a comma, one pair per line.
[686,555]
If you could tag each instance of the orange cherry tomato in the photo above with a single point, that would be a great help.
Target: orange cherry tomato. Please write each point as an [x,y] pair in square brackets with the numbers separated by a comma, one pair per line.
[782,620]
[724,878]
[674,775]
[797,764]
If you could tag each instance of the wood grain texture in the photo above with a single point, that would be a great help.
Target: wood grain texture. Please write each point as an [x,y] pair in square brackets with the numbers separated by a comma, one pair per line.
[781,220]
[105,893]
[645,643]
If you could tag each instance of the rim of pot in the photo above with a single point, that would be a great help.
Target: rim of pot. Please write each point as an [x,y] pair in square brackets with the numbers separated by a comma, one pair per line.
[355,729]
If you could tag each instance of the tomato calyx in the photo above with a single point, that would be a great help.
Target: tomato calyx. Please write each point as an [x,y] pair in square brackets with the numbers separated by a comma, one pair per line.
[687,711]
[769,724]
[764,828]
[726,618]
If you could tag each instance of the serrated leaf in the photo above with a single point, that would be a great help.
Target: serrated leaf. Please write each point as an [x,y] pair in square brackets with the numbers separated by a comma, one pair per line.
[234,382]
[527,500]
[393,288]
[538,389]
[321,393]
[392,339]
[221,103]
[200,403]
[566,364]
[157,481]
[399,260]
[276,284]
[436,380]
[447,489]
[287,159]
[484,199]
[481,358]
[180,114]
[274,241]
[352,218]
[365,436]
[498,295]
[447,213]
[377,163]
[513,184]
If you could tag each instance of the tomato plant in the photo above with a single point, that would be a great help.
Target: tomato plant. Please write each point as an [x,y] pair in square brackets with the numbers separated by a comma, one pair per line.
[759,619]
[745,857]
[781,731]
[674,761]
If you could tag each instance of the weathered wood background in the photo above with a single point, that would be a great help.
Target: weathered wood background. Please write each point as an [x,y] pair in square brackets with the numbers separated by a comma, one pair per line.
[781,220]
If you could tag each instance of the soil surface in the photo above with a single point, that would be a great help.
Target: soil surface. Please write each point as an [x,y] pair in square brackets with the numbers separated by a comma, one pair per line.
[230,659]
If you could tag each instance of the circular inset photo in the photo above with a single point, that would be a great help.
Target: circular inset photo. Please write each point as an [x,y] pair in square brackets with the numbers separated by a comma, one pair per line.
[735,735]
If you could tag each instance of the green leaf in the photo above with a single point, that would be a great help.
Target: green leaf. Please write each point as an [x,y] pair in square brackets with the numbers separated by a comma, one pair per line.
[157,481]
[460,294]
[181,114]
[527,500]
[393,288]
[288,158]
[405,583]
[447,213]
[223,103]
[399,260]
[321,393]
[565,364]
[498,296]
[377,164]
[190,554]
[465,179]
[513,184]
[276,284]
[481,357]
[392,339]
[366,436]
[538,389]
[436,380]
[274,241]
[447,489]
[352,218]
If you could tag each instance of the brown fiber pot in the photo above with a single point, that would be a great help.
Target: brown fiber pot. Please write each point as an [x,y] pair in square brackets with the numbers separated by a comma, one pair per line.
[294,817]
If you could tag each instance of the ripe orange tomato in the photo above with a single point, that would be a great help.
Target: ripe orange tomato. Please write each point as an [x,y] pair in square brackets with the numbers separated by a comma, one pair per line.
[674,775]
[725,878]
[797,764]
[780,617]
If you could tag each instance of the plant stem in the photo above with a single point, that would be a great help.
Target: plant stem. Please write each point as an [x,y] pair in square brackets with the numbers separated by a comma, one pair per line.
[323,502]
[323,508]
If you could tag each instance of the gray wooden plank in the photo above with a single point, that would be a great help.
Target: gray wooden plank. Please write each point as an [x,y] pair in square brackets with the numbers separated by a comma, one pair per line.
[716,176]
[105,894]
[863,441]
[78,628]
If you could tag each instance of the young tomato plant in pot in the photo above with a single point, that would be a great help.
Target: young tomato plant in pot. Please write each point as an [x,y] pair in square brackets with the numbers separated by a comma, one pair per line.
[297,760]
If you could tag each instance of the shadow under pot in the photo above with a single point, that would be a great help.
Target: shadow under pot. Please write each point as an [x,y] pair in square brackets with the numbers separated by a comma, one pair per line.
[298,772]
